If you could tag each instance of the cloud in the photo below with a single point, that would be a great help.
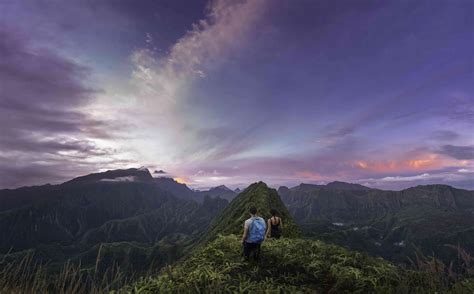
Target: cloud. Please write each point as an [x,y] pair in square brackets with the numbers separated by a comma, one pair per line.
[209,40]
[423,162]
[167,106]
[458,178]
[405,178]
[445,135]
[41,122]
[250,91]
[41,90]
[458,152]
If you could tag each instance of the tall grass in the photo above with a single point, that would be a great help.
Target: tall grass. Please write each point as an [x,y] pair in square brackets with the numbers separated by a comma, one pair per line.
[29,276]
[220,265]
[458,272]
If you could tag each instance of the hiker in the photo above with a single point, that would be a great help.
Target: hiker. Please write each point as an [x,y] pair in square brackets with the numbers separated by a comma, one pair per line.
[275,225]
[254,235]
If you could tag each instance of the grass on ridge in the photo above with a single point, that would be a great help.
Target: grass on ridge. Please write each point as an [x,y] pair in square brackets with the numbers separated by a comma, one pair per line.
[287,266]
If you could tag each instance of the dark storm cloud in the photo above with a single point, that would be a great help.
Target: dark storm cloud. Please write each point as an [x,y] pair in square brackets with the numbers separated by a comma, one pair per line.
[458,152]
[36,78]
[40,89]
[41,94]
[81,148]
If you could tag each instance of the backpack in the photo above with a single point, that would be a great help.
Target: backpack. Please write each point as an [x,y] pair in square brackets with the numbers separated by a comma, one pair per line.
[256,232]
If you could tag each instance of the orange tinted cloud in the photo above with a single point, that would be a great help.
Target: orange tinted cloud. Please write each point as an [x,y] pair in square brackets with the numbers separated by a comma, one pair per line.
[307,175]
[422,163]
[362,164]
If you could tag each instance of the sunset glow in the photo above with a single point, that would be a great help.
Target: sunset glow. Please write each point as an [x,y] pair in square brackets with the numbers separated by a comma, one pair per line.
[402,165]
[232,92]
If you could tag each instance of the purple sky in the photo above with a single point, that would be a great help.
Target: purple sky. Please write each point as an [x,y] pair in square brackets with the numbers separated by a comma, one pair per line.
[231,92]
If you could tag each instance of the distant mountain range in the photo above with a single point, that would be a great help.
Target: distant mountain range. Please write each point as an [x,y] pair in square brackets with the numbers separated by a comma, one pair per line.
[385,223]
[288,265]
[119,212]
[14,198]
[141,222]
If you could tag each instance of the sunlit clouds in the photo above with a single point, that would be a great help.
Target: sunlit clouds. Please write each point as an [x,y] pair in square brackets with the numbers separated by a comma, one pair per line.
[233,92]
[164,110]
[424,163]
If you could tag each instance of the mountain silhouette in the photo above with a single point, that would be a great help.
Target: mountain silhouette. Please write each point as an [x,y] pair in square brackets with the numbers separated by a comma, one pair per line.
[132,222]
[219,191]
[119,175]
[287,265]
[385,223]
[232,218]
[140,223]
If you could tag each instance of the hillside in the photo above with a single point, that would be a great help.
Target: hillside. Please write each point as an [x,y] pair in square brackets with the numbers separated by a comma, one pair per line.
[97,223]
[287,265]
[232,218]
[385,223]
[120,225]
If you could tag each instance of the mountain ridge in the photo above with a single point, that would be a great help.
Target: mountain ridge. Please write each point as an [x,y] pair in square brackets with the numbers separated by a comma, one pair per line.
[139,174]
[287,265]
[258,194]
[386,223]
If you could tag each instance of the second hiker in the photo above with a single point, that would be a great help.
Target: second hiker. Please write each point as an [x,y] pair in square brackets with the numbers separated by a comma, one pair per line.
[275,225]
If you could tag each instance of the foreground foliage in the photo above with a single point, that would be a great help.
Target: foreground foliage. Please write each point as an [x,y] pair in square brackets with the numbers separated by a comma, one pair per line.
[27,276]
[288,266]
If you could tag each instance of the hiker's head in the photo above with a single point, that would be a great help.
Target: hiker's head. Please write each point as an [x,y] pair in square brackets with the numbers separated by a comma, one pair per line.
[273,212]
[253,210]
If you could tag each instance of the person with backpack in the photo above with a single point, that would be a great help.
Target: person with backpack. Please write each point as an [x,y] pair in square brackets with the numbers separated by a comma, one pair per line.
[275,225]
[254,235]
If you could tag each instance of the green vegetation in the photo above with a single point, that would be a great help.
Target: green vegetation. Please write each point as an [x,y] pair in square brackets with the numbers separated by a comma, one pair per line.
[90,229]
[122,238]
[390,224]
[232,218]
[27,276]
[288,266]
[294,265]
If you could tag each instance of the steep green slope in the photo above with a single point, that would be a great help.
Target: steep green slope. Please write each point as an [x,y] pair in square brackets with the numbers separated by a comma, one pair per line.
[386,223]
[232,218]
[287,266]
[129,221]
[66,219]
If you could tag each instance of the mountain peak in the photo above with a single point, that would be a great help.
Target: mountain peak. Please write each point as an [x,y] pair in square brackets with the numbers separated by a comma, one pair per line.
[263,198]
[118,175]
[337,185]
[346,186]
[303,187]
[221,187]
[176,188]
